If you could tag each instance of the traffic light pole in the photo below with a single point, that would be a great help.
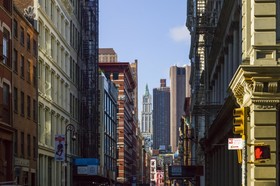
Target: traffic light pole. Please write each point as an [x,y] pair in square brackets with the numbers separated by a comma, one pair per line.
[239,127]
[244,159]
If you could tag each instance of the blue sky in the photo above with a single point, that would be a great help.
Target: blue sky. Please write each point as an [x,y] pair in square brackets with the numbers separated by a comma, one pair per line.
[151,31]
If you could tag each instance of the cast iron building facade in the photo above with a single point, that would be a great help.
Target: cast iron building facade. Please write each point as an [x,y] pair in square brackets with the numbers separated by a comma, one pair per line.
[241,69]
[57,84]
[161,115]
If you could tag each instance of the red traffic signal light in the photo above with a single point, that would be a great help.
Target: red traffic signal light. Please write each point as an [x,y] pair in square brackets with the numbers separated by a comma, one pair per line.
[262,152]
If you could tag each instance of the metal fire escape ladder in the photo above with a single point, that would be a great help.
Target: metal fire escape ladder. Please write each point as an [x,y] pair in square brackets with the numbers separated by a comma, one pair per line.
[90,93]
[204,108]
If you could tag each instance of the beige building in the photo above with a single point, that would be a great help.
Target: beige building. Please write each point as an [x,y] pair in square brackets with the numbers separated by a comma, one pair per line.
[179,90]
[107,55]
[240,69]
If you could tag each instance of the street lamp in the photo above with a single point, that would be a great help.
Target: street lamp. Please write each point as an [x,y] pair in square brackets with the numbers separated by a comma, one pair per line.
[70,127]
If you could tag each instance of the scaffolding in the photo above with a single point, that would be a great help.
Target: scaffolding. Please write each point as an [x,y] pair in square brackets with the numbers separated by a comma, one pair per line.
[90,92]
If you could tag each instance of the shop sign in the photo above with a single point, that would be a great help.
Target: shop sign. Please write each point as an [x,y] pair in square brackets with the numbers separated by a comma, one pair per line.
[21,162]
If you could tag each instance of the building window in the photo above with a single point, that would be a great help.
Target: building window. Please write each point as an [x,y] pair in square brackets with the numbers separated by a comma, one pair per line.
[22,144]
[6,95]
[15,99]
[34,147]
[15,58]
[21,36]
[28,145]
[34,109]
[28,107]
[15,143]
[53,43]
[15,27]
[7,4]
[115,75]
[5,51]
[35,47]
[28,71]
[34,77]
[28,42]
[22,103]
[22,66]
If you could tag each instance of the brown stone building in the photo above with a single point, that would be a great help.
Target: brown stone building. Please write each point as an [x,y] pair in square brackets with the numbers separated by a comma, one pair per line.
[121,74]
[24,89]
[107,55]
[6,130]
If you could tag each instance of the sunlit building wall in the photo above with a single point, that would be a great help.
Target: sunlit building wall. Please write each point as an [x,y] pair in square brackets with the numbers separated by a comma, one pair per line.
[179,89]
[58,24]
[25,98]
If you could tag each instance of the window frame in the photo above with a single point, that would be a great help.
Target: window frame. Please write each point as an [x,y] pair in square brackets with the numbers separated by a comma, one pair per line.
[15,29]
[15,100]
[22,66]
[22,36]
[15,61]
[22,103]
[22,144]
[28,104]
[28,42]
[5,46]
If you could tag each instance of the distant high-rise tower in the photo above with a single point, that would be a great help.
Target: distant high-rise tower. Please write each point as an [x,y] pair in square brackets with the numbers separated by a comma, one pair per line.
[179,90]
[161,115]
[146,115]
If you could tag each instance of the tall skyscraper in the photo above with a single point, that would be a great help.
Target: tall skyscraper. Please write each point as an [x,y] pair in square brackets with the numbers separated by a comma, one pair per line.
[161,115]
[179,79]
[147,117]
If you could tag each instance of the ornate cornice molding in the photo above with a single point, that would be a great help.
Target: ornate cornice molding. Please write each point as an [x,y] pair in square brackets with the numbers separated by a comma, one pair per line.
[256,82]
[68,6]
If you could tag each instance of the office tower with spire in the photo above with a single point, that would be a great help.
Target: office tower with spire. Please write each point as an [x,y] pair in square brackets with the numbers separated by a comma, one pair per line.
[161,116]
[146,117]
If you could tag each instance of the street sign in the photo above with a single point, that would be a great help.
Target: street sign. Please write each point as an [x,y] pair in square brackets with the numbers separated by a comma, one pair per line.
[179,171]
[235,143]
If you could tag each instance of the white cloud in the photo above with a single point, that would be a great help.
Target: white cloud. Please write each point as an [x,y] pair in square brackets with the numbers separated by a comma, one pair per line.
[179,34]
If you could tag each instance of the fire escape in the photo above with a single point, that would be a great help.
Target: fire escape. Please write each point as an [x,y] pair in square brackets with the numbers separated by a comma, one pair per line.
[90,93]
[202,21]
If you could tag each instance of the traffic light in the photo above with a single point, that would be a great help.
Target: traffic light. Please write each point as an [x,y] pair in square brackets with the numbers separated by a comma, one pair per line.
[239,120]
[262,152]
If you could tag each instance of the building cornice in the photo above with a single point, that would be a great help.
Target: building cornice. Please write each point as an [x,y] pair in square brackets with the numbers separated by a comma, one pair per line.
[256,82]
